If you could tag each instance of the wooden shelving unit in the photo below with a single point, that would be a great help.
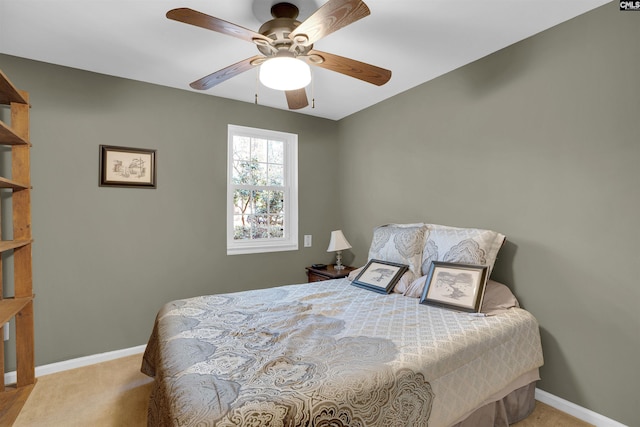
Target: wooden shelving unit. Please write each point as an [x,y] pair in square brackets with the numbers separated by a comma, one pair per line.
[19,306]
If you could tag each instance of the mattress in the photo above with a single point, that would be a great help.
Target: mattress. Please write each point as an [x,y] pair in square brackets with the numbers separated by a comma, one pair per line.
[330,353]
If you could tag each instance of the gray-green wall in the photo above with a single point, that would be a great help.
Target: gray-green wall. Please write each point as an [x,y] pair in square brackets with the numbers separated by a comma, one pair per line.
[540,141]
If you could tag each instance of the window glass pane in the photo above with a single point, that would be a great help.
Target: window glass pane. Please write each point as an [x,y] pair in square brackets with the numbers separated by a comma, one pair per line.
[242,202]
[242,232]
[241,148]
[276,226]
[260,175]
[252,222]
[259,150]
[276,152]
[261,227]
[261,201]
[236,173]
[276,175]
[244,172]
[243,208]
[276,202]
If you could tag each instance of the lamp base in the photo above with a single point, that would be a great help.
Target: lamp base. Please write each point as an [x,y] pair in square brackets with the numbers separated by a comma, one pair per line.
[338,265]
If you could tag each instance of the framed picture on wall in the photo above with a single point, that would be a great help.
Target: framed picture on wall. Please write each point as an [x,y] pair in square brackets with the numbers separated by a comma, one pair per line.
[380,276]
[127,167]
[456,286]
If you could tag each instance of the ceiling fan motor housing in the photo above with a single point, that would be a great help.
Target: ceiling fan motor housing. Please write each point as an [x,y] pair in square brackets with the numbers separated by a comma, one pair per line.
[278,29]
[284,10]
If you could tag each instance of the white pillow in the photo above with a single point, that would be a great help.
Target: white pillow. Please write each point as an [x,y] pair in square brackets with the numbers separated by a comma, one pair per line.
[461,245]
[401,243]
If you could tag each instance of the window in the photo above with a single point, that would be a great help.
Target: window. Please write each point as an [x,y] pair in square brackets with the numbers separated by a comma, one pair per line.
[262,191]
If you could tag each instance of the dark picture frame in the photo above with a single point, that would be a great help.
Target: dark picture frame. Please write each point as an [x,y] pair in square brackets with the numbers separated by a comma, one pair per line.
[455,286]
[127,167]
[380,276]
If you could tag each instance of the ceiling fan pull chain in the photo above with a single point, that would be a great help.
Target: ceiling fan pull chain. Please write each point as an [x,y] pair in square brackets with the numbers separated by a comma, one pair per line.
[255,101]
[313,92]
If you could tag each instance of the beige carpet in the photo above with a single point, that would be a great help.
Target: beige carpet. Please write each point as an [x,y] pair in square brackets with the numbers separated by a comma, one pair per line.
[115,394]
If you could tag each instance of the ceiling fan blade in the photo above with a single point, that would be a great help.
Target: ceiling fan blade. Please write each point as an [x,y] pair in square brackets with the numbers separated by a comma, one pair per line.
[330,17]
[350,67]
[199,19]
[207,82]
[297,99]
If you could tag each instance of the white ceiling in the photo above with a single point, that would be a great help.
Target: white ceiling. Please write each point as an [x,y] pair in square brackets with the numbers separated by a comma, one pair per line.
[417,40]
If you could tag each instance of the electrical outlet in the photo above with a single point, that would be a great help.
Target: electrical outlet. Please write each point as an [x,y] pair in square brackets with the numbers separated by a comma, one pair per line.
[307,240]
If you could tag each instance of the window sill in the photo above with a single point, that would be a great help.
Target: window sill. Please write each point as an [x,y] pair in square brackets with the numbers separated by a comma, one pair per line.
[256,248]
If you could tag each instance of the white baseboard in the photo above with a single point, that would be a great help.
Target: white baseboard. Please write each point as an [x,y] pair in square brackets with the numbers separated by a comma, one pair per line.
[11,378]
[570,408]
[579,412]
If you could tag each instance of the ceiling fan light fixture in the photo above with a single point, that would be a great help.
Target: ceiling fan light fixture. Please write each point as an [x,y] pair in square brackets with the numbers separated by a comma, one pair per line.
[285,73]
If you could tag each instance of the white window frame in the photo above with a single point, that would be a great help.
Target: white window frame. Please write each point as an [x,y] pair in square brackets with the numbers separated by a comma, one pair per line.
[290,240]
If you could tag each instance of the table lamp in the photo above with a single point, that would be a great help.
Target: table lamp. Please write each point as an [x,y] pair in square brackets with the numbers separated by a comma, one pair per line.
[337,244]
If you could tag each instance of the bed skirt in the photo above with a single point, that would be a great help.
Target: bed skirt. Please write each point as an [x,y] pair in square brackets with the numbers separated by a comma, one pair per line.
[514,407]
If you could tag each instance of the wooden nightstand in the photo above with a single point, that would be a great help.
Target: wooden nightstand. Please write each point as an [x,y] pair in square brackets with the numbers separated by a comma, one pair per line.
[320,274]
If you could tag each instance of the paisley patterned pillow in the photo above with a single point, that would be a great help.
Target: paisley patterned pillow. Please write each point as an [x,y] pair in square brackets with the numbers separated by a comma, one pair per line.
[463,245]
[402,243]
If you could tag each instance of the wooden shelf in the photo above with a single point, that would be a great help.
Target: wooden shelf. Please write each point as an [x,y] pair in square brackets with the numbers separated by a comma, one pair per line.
[9,307]
[8,92]
[11,402]
[19,306]
[7,183]
[7,245]
[8,137]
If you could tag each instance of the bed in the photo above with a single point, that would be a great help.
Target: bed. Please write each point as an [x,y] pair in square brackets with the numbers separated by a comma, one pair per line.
[333,354]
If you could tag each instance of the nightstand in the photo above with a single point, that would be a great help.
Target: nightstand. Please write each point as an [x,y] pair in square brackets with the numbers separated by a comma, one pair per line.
[320,274]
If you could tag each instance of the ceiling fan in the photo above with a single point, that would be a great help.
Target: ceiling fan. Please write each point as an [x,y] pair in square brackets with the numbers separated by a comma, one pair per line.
[285,39]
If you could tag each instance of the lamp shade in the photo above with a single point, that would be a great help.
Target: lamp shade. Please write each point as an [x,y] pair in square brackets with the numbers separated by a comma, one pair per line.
[285,73]
[338,242]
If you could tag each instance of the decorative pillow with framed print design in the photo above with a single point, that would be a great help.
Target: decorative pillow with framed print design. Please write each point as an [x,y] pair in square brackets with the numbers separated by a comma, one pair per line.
[461,245]
[400,243]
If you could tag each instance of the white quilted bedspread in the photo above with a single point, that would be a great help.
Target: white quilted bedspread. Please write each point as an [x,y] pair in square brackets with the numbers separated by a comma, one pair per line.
[329,353]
